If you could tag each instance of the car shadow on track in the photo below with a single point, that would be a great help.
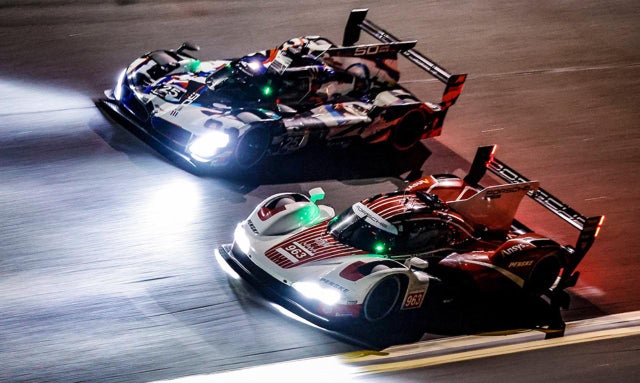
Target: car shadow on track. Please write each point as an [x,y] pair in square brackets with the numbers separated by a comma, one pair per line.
[487,315]
[471,315]
[321,162]
[315,162]
[477,316]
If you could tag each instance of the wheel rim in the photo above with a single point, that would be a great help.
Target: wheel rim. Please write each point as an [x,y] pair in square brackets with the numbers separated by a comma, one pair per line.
[251,147]
[382,299]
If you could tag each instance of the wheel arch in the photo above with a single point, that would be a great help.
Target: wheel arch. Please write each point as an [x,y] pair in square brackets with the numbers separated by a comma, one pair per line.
[385,296]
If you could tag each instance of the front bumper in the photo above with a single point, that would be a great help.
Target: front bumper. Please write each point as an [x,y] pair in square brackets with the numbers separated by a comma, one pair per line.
[168,138]
[112,106]
[284,294]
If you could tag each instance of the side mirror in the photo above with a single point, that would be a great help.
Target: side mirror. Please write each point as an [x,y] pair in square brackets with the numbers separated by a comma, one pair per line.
[187,46]
[415,263]
[316,194]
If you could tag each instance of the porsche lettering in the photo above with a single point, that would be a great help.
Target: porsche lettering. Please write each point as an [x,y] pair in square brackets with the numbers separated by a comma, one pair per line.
[497,193]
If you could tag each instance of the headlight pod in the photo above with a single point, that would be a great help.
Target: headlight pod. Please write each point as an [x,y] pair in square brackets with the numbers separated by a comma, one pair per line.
[117,91]
[204,148]
[241,239]
[312,290]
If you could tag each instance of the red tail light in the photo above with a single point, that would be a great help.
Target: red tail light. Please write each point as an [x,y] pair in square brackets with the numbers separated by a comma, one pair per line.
[599,226]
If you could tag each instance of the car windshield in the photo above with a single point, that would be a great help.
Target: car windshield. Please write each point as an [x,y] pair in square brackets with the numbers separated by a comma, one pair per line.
[218,77]
[240,82]
[360,227]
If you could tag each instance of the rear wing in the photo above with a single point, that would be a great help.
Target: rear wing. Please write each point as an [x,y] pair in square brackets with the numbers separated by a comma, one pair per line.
[589,226]
[358,22]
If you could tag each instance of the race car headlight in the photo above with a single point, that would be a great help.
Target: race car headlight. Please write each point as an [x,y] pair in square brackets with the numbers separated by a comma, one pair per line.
[312,290]
[205,148]
[117,91]
[256,66]
[241,239]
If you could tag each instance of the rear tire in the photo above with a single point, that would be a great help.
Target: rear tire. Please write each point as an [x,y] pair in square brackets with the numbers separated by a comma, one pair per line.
[543,275]
[382,299]
[408,131]
[252,146]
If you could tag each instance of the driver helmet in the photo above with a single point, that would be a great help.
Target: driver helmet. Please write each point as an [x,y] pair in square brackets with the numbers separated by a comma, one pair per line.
[296,47]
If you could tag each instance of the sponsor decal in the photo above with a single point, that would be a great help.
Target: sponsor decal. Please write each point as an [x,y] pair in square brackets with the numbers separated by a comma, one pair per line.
[316,244]
[192,97]
[413,300]
[520,264]
[333,284]
[492,194]
[371,50]
[418,184]
[515,248]
[252,227]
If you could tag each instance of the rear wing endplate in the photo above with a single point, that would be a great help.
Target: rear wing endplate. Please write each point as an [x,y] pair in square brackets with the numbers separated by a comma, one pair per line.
[358,22]
[589,226]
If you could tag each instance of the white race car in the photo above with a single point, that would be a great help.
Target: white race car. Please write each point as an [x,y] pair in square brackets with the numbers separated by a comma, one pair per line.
[385,256]
[317,277]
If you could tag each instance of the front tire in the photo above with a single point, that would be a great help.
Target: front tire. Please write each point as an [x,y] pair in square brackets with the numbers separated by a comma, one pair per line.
[382,299]
[252,147]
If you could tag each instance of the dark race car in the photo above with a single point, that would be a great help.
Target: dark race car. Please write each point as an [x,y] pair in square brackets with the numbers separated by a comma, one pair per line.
[384,255]
[232,112]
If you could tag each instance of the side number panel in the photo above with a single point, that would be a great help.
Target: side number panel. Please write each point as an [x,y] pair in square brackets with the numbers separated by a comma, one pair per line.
[413,300]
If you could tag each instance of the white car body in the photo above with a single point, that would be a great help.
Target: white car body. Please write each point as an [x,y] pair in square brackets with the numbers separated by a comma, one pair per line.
[285,237]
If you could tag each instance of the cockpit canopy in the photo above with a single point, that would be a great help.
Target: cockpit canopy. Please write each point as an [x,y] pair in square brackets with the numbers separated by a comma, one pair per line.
[360,227]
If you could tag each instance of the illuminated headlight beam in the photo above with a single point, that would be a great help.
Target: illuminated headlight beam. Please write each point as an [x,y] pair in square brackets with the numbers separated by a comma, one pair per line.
[241,239]
[313,290]
[204,148]
[255,66]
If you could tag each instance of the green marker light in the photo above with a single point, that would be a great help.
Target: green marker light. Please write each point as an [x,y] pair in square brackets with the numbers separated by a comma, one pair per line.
[193,66]
[308,214]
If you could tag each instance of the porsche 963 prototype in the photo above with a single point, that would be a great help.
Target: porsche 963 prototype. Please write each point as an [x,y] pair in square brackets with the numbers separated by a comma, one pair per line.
[380,256]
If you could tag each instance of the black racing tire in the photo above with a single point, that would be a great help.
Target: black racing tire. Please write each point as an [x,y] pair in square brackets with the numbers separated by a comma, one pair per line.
[382,299]
[543,275]
[252,147]
[406,133]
